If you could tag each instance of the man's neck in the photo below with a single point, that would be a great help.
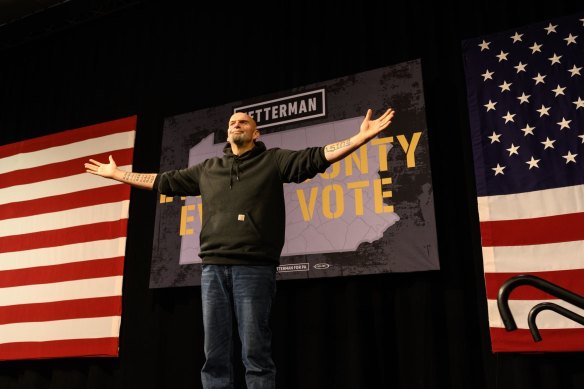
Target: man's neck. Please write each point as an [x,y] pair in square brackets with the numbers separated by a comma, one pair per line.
[239,150]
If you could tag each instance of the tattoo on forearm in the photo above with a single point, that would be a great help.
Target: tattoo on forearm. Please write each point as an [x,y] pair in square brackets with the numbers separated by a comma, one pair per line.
[139,178]
[336,146]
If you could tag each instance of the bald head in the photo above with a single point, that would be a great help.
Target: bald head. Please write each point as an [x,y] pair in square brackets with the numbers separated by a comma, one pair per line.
[238,116]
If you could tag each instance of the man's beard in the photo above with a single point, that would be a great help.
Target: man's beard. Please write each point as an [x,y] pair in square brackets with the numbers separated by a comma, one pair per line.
[239,139]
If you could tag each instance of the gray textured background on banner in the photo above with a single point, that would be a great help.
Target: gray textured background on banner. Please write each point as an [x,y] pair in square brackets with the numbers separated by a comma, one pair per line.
[406,238]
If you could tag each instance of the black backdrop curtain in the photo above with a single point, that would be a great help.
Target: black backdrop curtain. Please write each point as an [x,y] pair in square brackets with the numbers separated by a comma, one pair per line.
[156,59]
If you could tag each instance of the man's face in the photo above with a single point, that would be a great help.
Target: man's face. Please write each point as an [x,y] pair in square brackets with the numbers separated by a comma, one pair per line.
[242,129]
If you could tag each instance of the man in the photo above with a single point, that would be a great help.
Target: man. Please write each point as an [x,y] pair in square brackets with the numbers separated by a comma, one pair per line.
[242,235]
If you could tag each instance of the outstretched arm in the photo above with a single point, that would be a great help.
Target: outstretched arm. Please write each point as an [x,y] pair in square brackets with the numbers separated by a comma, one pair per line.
[110,170]
[369,129]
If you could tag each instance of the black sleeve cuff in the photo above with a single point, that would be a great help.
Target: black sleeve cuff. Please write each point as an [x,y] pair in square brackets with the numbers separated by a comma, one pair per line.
[156,182]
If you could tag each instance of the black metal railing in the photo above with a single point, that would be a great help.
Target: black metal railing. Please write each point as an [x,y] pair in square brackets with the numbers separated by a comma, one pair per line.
[546,286]
[552,307]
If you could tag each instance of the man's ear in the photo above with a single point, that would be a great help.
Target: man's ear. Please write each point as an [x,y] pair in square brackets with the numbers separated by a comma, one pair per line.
[256,135]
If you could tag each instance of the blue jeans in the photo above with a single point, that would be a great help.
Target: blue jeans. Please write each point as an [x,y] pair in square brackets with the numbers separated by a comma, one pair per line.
[243,293]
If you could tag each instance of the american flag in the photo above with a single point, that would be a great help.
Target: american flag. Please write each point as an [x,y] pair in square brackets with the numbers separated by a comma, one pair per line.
[62,243]
[526,102]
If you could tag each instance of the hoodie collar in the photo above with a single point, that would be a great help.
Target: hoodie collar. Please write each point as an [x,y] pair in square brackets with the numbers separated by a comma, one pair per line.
[259,148]
[234,170]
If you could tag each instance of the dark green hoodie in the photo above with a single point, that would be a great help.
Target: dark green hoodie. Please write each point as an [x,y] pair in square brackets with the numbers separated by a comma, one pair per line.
[244,214]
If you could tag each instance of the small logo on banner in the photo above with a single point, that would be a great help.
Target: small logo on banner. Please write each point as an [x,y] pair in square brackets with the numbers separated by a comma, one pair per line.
[294,267]
[293,108]
[321,266]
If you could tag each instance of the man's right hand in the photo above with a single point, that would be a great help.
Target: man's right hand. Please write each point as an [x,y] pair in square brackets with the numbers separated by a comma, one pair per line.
[110,170]
[102,169]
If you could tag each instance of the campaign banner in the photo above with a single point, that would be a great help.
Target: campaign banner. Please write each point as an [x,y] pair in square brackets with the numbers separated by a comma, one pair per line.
[372,212]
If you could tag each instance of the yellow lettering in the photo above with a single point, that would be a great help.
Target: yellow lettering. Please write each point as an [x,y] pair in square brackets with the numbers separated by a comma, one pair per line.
[307,210]
[339,201]
[200,208]
[382,149]
[360,160]
[185,218]
[379,195]
[410,147]
[358,186]
[165,199]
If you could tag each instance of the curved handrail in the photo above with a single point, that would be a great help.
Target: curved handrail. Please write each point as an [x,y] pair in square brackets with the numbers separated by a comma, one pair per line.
[527,279]
[553,307]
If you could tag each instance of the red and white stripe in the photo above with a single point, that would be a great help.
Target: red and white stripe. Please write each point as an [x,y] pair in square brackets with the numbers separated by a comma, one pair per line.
[62,243]
[538,233]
